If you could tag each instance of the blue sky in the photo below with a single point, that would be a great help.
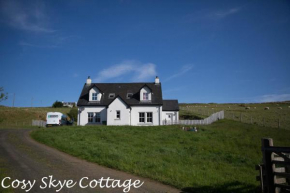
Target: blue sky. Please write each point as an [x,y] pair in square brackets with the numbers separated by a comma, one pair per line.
[203,51]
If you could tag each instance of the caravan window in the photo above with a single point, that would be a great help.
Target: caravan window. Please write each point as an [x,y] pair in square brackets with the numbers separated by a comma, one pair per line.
[52,116]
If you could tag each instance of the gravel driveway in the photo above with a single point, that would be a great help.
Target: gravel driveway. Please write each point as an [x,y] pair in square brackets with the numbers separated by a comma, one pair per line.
[30,160]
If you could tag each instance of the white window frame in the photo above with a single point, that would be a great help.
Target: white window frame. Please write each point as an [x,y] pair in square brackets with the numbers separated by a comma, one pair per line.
[146,117]
[145,96]
[90,117]
[94,96]
[118,111]
[142,117]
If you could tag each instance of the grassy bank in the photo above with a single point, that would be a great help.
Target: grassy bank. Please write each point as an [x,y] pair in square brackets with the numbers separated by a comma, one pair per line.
[218,158]
[254,113]
[16,117]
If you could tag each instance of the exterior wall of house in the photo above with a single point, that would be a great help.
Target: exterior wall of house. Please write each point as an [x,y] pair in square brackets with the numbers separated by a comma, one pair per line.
[156,114]
[95,90]
[145,90]
[118,105]
[83,114]
[170,116]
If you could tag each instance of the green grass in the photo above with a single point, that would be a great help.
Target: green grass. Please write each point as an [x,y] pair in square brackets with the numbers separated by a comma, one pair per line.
[218,158]
[16,117]
[259,115]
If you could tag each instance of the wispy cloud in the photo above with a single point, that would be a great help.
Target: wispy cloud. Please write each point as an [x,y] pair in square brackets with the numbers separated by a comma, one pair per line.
[211,15]
[274,97]
[223,13]
[182,71]
[25,16]
[136,69]
[22,43]
[75,75]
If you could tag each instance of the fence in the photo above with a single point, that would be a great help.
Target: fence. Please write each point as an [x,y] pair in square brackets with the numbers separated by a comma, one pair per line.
[39,123]
[275,170]
[214,117]
[257,119]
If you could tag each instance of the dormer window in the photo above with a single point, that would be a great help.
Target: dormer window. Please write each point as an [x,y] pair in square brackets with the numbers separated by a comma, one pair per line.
[111,95]
[129,95]
[145,96]
[94,96]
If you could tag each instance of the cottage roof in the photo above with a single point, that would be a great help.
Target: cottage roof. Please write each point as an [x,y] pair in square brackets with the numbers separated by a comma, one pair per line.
[170,105]
[121,90]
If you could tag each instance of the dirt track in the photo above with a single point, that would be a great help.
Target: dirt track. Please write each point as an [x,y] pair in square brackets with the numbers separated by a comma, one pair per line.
[30,160]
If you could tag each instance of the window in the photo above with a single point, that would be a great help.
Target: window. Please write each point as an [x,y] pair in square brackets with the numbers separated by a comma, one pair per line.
[129,95]
[118,115]
[52,116]
[145,96]
[111,95]
[149,117]
[94,97]
[98,117]
[142,117]
[90,117]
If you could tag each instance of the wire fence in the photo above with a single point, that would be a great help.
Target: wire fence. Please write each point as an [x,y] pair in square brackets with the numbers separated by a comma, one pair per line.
[245,117]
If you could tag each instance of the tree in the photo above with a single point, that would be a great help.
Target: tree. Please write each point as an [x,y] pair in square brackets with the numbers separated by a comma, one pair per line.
[3,96]
[73,114]
[57,104]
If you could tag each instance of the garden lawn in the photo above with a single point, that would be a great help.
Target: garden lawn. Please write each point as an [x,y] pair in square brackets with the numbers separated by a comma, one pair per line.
[218,158]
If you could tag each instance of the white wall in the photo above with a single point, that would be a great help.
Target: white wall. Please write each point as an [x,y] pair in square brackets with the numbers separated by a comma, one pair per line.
[145,90]
[83,114]
[95,90]
[156,110]
[174,115]
[119,105]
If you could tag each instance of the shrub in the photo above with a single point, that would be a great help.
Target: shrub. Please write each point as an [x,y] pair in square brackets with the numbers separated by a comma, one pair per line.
[57,104]
[73,114]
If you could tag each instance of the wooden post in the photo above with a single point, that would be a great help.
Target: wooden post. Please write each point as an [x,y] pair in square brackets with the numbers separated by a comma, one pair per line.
[267,162]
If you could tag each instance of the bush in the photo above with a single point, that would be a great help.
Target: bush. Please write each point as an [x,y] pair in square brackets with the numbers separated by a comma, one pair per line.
[57,104]
[73,114]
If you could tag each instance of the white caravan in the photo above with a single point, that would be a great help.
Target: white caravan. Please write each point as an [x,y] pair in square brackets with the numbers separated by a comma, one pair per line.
[56,119]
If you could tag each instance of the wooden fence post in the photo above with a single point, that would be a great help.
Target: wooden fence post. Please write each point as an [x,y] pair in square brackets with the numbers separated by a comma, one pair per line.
[267,161]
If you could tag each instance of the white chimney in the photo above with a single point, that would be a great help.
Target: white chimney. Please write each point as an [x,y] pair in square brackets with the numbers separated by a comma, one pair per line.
[157,80]
[89,81]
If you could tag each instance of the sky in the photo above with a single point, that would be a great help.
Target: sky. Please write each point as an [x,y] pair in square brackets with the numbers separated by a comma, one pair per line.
[202,51]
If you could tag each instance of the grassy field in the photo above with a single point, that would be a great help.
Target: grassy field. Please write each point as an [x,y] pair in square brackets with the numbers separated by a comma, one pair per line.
[218,158]
[255,115]
[21,117]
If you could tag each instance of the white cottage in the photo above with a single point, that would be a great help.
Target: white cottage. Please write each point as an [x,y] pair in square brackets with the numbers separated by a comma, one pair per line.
[125,104]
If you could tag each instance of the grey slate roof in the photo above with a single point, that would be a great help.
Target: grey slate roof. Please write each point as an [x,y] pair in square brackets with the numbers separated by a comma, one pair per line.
[121,90]
[170,105]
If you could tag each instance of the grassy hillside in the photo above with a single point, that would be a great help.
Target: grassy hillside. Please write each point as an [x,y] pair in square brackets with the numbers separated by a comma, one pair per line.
[19,117]
[218,158]
[255,115]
